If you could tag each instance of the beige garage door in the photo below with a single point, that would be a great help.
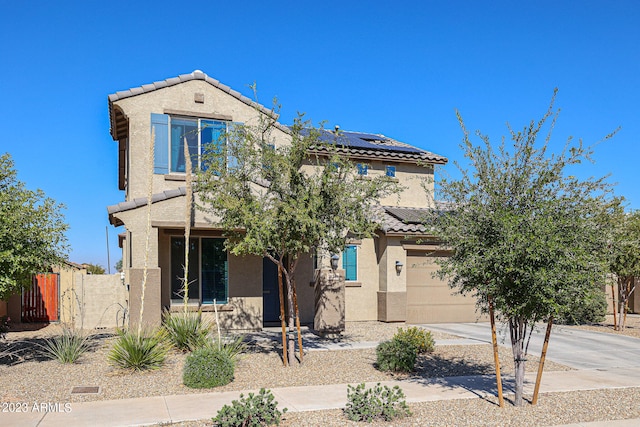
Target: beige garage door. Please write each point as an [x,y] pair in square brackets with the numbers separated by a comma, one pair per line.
[431,300]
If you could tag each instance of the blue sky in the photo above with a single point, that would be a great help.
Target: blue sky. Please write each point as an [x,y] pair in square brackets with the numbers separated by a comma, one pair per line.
[399,68]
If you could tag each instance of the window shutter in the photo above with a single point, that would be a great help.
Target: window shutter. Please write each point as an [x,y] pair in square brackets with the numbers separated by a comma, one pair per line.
[160,122]
[350,262]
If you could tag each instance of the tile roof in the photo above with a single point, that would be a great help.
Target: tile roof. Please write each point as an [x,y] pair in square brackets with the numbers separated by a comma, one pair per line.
[392,219]
[361,144]
[142,201]
[402,220]
[195,75]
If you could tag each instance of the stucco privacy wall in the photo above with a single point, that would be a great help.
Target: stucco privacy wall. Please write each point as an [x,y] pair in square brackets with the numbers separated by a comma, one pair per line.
[180,97]
[97,301]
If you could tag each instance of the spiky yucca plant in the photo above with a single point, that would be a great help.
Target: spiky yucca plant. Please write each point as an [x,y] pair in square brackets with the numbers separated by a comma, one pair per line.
[187,331]
[66,347]
[140,351]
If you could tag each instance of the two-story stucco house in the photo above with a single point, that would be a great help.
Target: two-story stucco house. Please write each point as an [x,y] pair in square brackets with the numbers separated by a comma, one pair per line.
[388,277]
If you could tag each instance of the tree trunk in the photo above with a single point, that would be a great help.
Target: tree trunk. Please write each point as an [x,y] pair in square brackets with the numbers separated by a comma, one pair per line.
[282,318]
[628,291]
[615,314]
[622,299]
[295,301]
[291,321]
[496,354]
[517,329]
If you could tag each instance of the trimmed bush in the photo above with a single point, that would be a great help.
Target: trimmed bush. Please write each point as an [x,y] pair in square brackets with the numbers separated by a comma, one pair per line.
[67,347]
[186,331]
[421,338]
[145,351]
[379,402]
[253,411]
[207,367]
[396,355]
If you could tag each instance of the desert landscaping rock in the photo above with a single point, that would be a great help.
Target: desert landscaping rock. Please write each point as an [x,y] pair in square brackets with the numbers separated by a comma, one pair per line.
[32,379]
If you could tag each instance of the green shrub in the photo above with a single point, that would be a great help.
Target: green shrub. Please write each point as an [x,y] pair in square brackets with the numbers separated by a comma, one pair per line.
[186,331]
[591,309]
[139,352]
[420,337]
[207,367]
[252,411]
[396,355]
[373,403]
[67,347]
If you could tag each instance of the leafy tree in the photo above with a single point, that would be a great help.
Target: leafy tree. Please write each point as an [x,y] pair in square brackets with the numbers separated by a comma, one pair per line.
[94,268]
[32,231]
[118,266]
[282,201]
[625,260]
[523,233]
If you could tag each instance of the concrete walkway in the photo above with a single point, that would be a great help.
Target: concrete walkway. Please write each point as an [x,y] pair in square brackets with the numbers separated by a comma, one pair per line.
[167,409]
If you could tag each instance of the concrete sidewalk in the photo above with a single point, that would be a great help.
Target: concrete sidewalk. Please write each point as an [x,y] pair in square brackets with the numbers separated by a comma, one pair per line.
[167,409]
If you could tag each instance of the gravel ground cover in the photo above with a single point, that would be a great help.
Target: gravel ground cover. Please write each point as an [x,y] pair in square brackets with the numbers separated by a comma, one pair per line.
[552,409]
[632,326]
[33,378]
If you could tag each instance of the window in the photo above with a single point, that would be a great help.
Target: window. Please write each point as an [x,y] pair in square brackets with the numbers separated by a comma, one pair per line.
[199,134]
[170,133]
[390,171]
[363,169]
[208,270]
[350,262]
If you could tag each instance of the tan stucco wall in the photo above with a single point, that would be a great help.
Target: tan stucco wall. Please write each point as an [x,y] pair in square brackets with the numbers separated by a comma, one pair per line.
[391,250]
[411,178]
[360,296]
[180,97]
[67,296]
[152,308]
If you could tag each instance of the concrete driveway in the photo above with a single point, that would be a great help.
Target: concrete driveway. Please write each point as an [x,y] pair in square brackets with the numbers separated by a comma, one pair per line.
[571,347]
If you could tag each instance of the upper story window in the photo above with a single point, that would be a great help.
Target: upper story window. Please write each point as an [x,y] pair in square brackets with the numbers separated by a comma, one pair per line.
[170,135]
[199,134]
[363,169]
[390,171]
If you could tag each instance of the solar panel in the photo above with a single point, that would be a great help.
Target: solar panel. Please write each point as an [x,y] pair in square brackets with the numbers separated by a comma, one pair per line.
[365,141]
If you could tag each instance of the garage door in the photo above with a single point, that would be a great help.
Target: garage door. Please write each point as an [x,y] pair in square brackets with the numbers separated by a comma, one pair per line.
[431,300]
